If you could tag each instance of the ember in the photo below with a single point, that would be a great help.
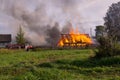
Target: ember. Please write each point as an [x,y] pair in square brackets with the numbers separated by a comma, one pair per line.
[74,39]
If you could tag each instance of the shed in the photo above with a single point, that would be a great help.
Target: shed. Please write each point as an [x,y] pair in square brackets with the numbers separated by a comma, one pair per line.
[5,39]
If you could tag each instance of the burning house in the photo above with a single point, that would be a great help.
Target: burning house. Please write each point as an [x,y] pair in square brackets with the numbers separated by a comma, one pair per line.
[74,39]
[5,39]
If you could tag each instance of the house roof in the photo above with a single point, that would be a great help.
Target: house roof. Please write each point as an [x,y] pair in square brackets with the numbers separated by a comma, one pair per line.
[4,38]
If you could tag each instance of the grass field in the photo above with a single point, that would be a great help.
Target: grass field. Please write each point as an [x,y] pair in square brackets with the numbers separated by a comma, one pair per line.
[57,65]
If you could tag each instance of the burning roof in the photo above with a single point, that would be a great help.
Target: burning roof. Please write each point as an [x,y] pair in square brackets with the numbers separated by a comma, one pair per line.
[74,39]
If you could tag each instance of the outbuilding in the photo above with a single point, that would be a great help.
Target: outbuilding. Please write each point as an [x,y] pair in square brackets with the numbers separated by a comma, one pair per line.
[5,39]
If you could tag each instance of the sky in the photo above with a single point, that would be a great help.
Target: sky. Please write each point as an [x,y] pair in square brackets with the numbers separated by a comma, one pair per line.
[32,14]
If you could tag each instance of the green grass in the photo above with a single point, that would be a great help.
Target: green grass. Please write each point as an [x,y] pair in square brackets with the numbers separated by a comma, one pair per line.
[57,65]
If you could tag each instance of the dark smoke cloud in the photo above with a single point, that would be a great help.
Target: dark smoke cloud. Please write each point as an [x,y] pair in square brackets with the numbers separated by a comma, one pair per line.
[53,34]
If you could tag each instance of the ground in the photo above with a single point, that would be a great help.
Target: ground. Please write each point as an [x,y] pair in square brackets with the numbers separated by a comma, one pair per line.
[57,65]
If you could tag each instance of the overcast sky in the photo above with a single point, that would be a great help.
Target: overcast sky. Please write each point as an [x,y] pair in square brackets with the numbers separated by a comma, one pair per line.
[84,14]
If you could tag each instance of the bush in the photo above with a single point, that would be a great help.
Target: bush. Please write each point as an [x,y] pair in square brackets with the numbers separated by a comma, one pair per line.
[108,46]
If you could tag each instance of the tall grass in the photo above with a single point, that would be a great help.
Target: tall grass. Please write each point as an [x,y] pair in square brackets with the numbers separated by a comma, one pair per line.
[57,65]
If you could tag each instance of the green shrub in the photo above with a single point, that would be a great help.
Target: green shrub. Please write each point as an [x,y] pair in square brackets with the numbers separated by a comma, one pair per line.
[108,46]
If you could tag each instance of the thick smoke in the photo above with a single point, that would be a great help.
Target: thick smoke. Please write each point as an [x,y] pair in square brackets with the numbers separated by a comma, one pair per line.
[67,28]
[42,21]
[53,34]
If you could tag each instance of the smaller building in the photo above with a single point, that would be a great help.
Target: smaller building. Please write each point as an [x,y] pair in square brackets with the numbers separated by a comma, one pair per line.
[5,39]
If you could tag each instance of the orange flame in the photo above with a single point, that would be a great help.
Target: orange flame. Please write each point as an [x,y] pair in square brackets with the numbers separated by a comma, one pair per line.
[74,39]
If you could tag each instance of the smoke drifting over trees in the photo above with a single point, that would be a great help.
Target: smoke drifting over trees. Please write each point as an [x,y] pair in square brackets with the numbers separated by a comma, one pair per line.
[39,17]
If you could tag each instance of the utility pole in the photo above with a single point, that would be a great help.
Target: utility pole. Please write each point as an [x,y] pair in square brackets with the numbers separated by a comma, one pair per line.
[91,32]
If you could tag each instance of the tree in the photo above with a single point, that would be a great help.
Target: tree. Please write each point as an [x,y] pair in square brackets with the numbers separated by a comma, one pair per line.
[112,20]
[108,43]
[108,47]
[20,36]
[100,31]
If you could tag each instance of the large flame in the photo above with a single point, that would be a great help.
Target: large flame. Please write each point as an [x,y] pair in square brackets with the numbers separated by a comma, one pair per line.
[74,39]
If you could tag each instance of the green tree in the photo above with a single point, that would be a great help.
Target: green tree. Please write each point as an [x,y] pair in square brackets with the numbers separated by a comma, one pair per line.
[108,41]
[100,31]
[20,36]
[108,44]
[112,20]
